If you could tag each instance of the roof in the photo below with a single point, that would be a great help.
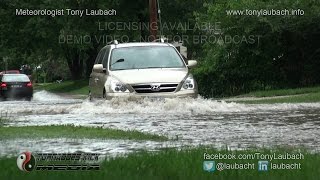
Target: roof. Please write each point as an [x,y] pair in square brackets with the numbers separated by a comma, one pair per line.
[14,74]
[135,44]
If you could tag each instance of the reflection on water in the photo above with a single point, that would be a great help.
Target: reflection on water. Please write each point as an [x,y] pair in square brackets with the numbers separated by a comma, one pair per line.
[111,148]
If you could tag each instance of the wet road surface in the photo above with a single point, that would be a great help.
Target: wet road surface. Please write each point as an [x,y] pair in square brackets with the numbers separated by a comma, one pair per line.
[192,122]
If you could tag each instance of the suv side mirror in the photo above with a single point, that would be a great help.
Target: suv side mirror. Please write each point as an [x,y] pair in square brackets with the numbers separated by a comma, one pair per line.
[192,63]
[98,68]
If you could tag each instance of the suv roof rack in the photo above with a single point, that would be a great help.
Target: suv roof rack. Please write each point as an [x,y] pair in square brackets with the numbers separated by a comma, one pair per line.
[162,40]
[115,42]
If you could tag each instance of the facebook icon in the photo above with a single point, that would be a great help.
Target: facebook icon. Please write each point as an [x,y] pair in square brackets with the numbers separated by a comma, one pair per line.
[263,165]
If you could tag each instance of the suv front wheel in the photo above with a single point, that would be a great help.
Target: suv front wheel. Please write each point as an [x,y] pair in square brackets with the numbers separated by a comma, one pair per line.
[90,96]
[104,95]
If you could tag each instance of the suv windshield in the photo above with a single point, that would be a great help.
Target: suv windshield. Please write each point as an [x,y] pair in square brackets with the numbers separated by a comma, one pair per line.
[145,57]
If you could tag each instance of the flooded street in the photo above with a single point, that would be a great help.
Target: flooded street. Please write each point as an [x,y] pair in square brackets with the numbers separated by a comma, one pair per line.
[190,122]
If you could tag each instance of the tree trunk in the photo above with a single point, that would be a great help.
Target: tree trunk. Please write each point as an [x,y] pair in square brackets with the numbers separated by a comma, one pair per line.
[153,19]
[75,65]
[92,53]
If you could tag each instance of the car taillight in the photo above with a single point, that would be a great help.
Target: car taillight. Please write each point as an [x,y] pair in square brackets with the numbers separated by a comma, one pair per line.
[29,84]
[3,85]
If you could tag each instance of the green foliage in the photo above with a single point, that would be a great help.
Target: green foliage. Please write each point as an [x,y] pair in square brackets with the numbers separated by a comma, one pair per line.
[271,52]
[285,52]
[45,40]
[73,41]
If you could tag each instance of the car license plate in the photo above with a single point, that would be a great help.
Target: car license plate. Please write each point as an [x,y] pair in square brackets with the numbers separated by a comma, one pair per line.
[16,86]
[156,98]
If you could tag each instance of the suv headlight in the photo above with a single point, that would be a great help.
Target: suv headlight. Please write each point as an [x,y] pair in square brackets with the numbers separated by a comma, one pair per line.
[189,83]
[118,87]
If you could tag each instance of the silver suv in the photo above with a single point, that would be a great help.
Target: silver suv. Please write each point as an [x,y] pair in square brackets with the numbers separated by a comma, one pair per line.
[141,70]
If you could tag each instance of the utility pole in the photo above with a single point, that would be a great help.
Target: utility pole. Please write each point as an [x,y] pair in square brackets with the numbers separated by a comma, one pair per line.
[153,19]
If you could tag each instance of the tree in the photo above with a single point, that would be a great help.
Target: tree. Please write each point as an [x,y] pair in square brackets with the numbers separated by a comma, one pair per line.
[279,58]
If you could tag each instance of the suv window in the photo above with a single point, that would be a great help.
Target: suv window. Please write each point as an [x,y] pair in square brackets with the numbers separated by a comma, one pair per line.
[100,56]
[97,58]
[106,56]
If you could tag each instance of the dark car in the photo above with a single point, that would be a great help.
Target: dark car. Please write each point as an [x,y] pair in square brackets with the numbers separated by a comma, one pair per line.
[15,86]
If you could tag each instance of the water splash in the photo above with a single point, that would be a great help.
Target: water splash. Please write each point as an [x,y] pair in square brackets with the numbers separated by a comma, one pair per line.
[48,103]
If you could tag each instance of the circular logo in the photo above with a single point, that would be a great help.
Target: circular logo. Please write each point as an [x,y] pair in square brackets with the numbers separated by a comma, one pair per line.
[26,162]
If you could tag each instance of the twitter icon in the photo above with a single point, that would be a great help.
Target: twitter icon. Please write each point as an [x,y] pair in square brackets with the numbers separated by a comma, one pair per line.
[209,166]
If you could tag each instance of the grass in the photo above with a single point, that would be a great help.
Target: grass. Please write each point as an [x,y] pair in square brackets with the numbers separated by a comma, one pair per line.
[282,92]
[2,121]
[79,87]
[4,118]
[174,164]
[305,98]
[74,132]
[299,95]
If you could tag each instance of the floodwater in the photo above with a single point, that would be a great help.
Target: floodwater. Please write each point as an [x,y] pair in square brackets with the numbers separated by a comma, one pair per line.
[191,122]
